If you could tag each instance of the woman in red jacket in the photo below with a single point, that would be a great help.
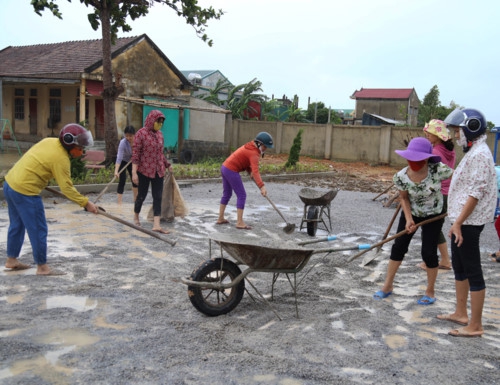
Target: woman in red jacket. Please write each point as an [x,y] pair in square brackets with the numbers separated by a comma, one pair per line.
[245,158]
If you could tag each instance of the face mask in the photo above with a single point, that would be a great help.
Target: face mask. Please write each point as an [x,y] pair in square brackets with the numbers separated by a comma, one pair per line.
[157,126]
[416,166]
[462,141]
[76,152]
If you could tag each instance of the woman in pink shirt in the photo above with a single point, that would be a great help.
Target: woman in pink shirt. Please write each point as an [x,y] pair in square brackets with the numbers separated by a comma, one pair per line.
[149,166]
[442,145]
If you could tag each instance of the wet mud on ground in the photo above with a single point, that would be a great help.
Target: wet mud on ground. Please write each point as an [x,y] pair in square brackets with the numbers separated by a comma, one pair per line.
[121,314]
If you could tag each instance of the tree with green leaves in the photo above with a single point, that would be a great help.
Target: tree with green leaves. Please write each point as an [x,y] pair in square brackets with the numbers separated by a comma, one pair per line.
[240,95]
[318,113]
[222,86]
[112,15]
[431,107]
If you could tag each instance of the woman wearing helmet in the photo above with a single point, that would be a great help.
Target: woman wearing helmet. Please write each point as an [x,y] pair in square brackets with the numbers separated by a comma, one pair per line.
[471,204]
[46,160]
[246,158]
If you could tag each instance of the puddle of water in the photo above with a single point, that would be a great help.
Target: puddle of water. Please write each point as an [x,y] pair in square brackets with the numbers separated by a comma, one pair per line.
[46,366]
[395,341]
[9,333]
[68,337]
[79,304]
[102,323]
[12,299]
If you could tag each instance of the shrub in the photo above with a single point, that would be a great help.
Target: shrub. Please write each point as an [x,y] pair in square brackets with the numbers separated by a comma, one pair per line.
[293,157]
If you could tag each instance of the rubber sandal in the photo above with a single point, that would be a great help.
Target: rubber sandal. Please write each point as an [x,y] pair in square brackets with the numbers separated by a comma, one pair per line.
[426,300]
[381,295]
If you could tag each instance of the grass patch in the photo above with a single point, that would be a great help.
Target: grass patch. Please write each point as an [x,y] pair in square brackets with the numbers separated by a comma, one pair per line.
[208,168]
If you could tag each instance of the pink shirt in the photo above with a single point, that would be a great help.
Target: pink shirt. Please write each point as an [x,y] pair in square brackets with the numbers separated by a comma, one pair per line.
[147,152]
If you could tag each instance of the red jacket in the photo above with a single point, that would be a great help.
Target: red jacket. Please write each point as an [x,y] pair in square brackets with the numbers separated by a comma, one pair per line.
[246,158]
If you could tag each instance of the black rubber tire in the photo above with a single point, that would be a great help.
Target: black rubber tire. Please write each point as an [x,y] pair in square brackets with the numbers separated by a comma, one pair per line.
[186,157]
[214,302]
[312,223]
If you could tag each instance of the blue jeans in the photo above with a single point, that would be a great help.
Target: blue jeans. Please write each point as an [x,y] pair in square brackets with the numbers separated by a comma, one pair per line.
[26,214]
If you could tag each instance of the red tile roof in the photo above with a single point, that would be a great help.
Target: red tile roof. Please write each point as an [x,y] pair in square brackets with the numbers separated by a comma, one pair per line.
[58,58]
[383,93]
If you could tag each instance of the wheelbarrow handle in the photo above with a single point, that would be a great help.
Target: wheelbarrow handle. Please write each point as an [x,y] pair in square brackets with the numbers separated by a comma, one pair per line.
[401,233]
[326,239]
[363,246]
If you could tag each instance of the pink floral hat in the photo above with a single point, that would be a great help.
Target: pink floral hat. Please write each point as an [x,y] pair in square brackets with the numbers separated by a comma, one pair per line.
[438,127]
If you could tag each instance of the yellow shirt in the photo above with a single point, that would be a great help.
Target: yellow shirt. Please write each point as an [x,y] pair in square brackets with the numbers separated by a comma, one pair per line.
[45,160]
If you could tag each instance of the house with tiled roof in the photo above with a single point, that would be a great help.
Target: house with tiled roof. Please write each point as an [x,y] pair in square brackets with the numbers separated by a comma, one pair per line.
[394,104]
[45,86]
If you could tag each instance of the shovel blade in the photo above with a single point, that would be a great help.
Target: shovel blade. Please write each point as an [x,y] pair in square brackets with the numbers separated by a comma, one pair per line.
[370,256]
[289,228]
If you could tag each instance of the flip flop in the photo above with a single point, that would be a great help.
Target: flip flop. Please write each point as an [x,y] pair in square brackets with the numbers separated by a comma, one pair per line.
[462,333]
[381,295]
[225,221]
[52,272]
[443,267]
[21,266]
[426,300]
[447,317]
[244,228]
[161,231]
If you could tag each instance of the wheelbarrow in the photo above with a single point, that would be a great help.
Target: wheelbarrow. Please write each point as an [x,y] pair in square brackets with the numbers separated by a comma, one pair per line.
[217,286]
[316,206]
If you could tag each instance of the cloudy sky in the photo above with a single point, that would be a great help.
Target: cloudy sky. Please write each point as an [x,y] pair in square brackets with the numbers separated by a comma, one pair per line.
[319,50]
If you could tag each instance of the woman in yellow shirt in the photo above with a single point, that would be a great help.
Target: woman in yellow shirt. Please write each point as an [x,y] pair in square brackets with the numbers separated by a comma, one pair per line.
[46,160]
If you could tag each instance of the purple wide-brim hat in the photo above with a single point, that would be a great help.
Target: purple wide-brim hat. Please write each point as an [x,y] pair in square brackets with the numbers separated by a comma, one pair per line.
[419,149]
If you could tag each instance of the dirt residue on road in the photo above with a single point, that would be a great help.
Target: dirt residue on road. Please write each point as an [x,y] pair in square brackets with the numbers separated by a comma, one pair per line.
[121,314]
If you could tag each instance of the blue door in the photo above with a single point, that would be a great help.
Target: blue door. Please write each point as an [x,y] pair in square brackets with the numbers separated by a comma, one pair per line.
[170,128]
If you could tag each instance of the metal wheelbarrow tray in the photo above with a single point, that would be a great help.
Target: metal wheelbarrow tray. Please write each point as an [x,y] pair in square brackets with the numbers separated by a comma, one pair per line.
[316,204]
[217,285]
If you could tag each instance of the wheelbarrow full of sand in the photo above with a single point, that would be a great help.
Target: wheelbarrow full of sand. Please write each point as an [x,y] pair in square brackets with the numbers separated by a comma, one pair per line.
[217,286]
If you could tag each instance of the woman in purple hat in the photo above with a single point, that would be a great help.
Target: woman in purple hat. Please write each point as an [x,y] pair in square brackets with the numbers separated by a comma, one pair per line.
[419,186]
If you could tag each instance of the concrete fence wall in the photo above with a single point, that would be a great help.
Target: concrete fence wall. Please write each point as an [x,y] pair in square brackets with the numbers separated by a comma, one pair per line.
[370,144]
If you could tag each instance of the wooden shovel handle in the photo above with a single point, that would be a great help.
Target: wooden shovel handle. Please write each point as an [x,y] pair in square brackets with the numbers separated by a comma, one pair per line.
[397,236]
[390,224]
[101,211]
[109,184]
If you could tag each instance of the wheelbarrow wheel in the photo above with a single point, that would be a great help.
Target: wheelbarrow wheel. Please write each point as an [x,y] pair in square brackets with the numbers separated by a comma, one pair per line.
[215,302]
[312,220]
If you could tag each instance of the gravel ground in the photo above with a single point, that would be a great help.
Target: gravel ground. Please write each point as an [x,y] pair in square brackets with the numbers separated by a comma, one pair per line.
[121,314]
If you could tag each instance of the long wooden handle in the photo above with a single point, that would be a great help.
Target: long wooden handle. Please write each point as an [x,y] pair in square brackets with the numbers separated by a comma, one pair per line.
[109,184]
[397,236]
[390,224]
[383,192]
[132,225]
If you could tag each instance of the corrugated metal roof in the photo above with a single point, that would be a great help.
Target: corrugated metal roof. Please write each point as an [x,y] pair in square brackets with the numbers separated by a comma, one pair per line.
[383,93]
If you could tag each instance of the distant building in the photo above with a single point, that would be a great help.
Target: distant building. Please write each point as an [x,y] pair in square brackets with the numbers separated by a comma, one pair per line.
[396,104]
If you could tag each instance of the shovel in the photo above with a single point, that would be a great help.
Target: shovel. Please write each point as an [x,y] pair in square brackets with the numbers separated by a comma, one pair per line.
[401,233]
[374,254]
[101,211]
[290,227]
[109,184]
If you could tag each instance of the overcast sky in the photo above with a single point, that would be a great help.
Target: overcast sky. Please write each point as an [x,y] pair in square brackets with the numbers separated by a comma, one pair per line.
[318,49]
